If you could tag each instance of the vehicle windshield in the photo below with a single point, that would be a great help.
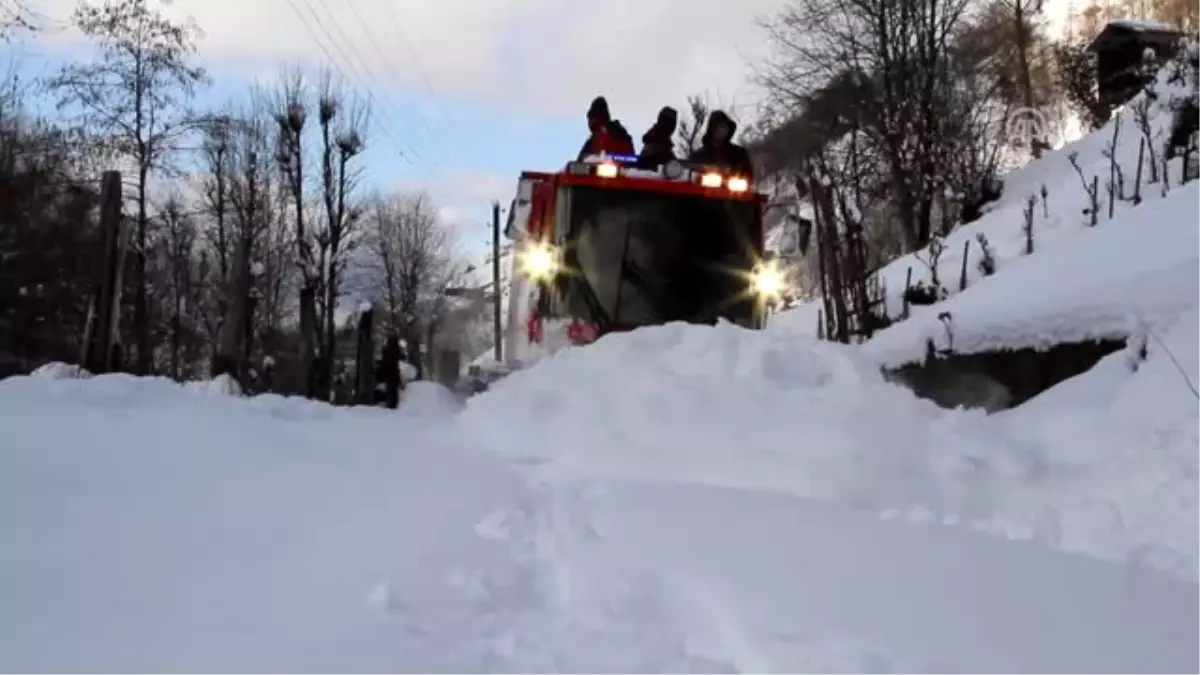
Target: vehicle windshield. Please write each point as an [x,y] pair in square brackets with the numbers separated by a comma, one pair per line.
[643,257]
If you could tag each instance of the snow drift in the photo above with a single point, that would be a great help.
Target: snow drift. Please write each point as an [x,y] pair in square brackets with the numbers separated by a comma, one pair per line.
[167,530]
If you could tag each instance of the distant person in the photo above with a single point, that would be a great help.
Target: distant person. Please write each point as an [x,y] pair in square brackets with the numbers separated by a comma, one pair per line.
[476,383]
[607,136]
[389,365]
[658,146]
[717,147]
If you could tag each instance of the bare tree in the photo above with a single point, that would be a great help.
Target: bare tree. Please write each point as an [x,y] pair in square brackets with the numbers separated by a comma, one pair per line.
[1076,69]
[691,125]
[250,210]
[177,238]
[217,151]
[46,215]
[276,277]
[899,51]
[410,264]
[1023,12]
[15,15]
[133,95]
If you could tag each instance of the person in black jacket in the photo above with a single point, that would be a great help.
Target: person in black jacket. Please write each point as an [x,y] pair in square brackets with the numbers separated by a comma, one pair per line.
[389,371]
[717,146]
[657,145]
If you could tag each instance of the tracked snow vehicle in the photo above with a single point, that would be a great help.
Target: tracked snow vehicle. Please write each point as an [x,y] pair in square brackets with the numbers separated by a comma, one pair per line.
[611,244]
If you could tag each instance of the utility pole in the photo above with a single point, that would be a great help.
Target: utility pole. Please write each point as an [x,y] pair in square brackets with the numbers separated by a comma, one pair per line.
[496,290]
[101,337]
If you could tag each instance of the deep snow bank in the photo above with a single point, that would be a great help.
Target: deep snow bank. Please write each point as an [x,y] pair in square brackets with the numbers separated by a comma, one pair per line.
[1141,267]
[774,584]
[148,527]
[736,407]
[1124,438]
[769,412]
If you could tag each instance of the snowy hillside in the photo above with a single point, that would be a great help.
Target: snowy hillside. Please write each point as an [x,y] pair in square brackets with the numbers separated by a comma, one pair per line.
[1126,276]
[1061,220]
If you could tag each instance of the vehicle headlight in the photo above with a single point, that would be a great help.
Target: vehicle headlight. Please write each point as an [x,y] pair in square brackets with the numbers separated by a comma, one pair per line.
[712,180]
[606,170]
[738,184]
[539,261]
[768,281]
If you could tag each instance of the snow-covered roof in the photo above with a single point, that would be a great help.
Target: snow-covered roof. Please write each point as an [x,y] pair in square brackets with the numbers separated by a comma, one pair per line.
[1144,25]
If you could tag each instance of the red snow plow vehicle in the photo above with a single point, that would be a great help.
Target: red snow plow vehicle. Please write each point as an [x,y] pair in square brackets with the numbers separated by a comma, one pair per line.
[610,244]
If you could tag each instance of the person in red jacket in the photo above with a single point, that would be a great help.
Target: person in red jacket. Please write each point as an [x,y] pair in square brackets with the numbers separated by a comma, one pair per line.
[608,136]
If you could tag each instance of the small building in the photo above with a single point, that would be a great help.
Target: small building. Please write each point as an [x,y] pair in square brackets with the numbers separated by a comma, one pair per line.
[1126,51]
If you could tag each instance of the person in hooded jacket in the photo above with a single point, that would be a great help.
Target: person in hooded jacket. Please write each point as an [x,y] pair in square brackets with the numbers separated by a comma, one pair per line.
[657,144]
[717,146]
[608,136]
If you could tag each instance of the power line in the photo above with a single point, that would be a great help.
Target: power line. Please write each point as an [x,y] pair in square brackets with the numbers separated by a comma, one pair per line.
[334,62]
[363,82]
[412,52]
[395,72]
[359,62]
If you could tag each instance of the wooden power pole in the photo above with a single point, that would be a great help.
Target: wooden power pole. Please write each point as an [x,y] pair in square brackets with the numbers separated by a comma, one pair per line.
[101,336]
[496,289]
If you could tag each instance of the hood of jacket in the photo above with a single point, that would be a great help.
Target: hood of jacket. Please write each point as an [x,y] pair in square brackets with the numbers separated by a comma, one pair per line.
[715,118]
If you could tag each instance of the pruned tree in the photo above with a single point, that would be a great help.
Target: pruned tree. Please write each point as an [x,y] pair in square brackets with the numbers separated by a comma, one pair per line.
[133,97]
[341,127]
[291,117]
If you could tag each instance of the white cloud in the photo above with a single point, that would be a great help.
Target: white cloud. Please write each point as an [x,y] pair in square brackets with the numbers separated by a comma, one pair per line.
[465,185]
[529,56]
[463,198]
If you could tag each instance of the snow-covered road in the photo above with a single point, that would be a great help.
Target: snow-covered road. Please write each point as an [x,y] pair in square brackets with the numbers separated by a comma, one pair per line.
[657,522]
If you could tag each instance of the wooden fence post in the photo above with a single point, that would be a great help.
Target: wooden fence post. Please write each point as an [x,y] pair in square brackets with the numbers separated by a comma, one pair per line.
[364,386]
[962,275]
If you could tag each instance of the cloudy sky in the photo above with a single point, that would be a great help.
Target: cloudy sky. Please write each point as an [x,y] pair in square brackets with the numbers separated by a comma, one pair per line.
[467,93]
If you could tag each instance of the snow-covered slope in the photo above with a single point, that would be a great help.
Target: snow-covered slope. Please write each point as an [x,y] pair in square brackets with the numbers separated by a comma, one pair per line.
[1130,274]
[1060,222]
